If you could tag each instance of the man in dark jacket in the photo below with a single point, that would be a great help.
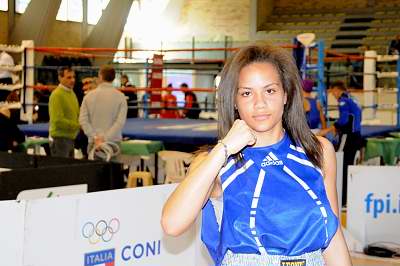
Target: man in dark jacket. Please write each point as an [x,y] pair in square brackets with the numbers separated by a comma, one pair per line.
[191,108]
[10,135]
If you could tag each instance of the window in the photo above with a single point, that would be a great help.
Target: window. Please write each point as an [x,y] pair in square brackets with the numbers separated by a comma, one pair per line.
[150,24]
[70,10]
[3,5]
[95,10]
[62,13]
[21,5]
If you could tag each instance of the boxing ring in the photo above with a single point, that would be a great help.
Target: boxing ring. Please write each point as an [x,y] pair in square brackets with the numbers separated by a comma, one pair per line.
[180,131]
[169,131]
[186,131]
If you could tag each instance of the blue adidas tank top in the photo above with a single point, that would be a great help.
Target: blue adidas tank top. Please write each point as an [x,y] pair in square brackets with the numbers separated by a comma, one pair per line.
[274,202]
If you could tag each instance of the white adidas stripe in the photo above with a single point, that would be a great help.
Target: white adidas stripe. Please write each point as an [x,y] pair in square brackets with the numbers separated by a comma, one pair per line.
[323,211]
[299,149]
[257,241]
[232,177]
[260,182]
[252,222]
[312,194]
[262,250]
[226,167]
[254,203]
[303,162]
[273,156]
[301,182]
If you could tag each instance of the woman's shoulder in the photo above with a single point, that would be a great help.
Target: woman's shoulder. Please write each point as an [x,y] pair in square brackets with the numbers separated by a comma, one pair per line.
[328,154]
[326,145]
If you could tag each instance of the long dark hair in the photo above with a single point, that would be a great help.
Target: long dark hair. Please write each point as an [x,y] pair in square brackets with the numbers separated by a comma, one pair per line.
[293,120]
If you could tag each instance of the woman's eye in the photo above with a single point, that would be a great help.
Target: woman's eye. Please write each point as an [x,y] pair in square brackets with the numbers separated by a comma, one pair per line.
[246,93]
[270,91]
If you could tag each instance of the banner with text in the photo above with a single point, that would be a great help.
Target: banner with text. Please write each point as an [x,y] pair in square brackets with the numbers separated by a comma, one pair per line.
[120,227]
[373,204]
[12,232]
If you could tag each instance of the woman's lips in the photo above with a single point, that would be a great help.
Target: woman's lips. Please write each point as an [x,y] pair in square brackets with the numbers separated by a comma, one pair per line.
[261,117]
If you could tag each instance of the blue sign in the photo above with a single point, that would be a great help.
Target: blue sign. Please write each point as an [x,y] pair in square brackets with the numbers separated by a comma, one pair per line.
[106,257]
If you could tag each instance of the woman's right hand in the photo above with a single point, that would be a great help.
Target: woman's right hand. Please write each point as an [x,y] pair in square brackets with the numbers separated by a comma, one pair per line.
[239,136]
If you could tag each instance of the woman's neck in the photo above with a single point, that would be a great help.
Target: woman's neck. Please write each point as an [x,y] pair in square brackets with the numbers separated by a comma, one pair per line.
[269,137]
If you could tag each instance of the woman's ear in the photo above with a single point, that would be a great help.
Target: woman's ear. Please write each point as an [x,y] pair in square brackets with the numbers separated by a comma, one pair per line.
[236,114]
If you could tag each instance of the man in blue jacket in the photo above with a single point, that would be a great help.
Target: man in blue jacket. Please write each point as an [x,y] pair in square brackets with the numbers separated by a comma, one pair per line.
[347,126]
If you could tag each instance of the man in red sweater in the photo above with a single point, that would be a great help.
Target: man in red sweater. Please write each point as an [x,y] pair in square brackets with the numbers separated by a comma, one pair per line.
[169,105]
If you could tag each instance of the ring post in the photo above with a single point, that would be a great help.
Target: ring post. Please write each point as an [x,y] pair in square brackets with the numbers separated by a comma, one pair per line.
[398,91]
[27,81]
[321,76]
[369,83]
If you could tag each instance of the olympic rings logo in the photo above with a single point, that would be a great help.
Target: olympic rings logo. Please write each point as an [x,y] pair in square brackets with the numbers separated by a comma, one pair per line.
[100,231]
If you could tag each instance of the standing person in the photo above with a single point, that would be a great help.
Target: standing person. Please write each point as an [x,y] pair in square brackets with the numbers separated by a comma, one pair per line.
[191,108]
[394,46]
[64,114]
[88,84]
[268,186]
[10,135]
[169,105]
[103,111]
[314,113]
[81,141]
[348,126]
[5,75]
[131,96]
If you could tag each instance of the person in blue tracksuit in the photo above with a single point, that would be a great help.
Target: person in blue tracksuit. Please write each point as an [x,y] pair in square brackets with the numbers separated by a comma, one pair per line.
[349,125]
[314,113]
[267,189]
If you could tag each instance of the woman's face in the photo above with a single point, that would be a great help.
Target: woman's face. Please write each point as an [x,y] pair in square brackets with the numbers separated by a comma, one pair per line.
[260,98]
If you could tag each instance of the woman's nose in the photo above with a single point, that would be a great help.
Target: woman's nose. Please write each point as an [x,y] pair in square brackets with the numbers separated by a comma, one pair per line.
[260,100]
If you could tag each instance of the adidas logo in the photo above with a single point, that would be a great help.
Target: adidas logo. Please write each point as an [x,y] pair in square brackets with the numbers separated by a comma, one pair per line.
[271,159]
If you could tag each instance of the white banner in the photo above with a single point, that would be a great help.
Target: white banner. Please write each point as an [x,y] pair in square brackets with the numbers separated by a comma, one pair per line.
[119,227]
[339,178]
[12,232]
[373,203]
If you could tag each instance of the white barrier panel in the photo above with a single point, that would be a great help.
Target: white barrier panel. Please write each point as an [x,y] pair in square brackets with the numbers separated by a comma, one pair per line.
[120,227]
[12,232]
[373,203]
[339,178]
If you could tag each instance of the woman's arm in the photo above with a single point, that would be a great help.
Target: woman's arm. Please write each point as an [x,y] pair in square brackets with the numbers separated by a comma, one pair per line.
[337,253]
[186,202]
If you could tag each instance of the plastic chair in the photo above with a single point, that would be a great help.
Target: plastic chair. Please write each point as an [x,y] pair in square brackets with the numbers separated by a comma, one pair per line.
[139,179]
[176,164]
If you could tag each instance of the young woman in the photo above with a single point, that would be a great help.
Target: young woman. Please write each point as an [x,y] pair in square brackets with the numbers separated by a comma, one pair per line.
[268,188]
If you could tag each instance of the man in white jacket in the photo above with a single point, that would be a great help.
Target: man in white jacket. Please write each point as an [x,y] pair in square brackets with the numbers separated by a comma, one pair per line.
[5,75]
[103,112]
